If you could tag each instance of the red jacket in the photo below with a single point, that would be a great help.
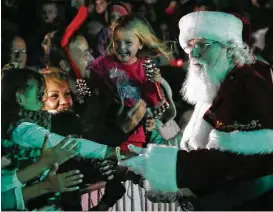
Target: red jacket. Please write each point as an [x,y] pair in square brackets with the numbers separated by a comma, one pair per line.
[242,113]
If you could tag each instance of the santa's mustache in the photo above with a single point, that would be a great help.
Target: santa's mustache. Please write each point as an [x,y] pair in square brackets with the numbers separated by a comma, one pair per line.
[197,62]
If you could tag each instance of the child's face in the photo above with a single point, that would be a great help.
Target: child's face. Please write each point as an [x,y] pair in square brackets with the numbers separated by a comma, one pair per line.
[126,45]
[30,98]
[49,13]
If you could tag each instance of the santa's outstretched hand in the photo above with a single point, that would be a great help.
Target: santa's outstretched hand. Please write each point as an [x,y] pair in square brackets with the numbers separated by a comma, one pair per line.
[157,164]
[135,164]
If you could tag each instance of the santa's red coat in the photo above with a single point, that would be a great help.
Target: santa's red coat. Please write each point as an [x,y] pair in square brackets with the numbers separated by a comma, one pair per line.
[241,117]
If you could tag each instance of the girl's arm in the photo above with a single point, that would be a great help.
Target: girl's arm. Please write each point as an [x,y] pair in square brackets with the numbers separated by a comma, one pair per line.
[32,135]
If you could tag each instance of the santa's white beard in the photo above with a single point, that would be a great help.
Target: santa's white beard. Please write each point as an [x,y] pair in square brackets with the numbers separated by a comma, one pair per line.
[202,83]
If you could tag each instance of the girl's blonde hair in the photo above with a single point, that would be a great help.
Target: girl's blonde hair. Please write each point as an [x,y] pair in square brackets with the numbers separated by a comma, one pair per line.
[55,75]
[145,34]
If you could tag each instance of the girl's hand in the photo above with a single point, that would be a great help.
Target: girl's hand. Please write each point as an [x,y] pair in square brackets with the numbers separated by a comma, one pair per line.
[59,154]
[64,182]
[151,70]
[154,76]
[149,124]
[159,110]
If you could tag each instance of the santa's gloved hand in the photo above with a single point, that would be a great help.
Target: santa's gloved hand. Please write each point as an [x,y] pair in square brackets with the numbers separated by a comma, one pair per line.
[135,164]
[157,164]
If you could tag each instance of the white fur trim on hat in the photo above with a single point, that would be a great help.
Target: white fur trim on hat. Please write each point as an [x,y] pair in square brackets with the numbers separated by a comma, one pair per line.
[217,26]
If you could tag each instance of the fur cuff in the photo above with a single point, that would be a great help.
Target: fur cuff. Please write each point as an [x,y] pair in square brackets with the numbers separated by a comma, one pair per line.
[160,171]
[244,142]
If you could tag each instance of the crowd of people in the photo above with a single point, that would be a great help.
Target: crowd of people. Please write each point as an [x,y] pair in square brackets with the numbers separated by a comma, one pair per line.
[91,91]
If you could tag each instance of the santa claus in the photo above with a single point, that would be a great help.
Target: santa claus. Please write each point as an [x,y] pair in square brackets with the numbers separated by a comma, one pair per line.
[226,150]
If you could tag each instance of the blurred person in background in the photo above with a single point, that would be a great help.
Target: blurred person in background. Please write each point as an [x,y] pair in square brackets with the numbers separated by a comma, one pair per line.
[113,12]
[54,54]
[14,49]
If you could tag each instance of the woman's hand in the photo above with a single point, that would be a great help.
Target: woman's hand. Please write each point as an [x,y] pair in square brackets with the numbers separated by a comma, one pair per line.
[64,182]
[59,154]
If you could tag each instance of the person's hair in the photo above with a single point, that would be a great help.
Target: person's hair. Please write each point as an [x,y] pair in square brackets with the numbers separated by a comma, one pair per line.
[12,81]
[144,32]
[241,54]
[56,52]
[207,3]
[55,75]
[110,8]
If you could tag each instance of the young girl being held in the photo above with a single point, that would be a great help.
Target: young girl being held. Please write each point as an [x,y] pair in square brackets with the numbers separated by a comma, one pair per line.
[123,70]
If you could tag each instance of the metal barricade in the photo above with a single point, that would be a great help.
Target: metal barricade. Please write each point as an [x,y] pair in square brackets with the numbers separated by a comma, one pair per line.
[133,200]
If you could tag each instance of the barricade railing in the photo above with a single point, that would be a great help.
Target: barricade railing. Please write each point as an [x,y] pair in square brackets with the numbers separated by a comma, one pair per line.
[133,200]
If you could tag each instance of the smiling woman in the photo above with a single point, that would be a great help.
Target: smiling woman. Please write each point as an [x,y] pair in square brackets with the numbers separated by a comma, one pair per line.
[57,97]
[23,122]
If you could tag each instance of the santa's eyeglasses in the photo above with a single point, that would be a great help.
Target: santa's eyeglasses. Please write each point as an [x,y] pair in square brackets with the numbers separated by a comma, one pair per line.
[200,44]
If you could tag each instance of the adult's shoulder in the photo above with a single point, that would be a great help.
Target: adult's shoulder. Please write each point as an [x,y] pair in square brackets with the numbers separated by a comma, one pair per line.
[248,74]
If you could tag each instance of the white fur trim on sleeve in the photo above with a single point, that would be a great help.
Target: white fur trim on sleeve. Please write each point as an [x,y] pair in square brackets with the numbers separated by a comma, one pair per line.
[244,142]
[160,170]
